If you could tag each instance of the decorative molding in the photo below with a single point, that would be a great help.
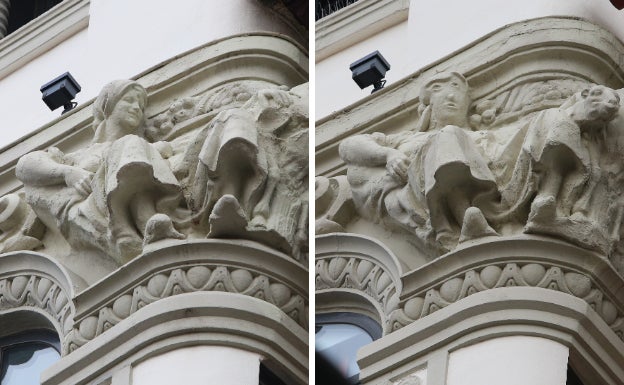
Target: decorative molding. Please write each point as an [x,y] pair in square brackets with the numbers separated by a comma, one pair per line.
[519,261]
[191,319]
[237,267]
[42,34]
[508,311]
[33,281]
[359,265]
[356,23]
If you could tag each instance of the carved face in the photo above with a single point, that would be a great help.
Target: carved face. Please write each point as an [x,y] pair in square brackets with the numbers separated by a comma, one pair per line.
[128,112]
[181,109]
[449,102]
[601,103]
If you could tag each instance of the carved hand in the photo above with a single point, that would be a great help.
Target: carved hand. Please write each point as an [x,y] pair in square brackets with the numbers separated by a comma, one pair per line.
[397,164]
[79,179]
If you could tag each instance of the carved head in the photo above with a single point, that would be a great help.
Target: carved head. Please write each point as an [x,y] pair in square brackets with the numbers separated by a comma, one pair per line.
[448,95]
[119,108]
[600,103]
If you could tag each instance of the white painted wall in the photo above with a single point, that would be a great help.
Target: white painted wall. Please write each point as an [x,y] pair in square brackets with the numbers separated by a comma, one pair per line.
[199,365]
[517,360]
[123,39]
[335,88]
[23,111]
[435,29]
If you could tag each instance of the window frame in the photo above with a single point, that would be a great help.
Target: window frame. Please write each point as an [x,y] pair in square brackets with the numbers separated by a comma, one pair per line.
[42,34]
[39,336]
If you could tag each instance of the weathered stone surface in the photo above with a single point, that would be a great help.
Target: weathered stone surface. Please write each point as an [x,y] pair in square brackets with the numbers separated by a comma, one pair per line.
[143,181]
[455,178]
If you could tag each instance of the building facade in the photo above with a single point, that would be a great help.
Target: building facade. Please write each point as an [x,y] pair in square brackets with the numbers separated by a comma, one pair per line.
[470,207]
[158,231]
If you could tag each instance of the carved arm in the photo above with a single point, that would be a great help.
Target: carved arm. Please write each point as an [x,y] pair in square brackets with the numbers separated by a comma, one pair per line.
[365,150]
[40,168]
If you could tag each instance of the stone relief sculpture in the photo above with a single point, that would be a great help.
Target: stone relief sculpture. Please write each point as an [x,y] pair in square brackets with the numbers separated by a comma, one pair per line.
[113,194]
[563,168]
[547,164]
[425,180]
[231,163]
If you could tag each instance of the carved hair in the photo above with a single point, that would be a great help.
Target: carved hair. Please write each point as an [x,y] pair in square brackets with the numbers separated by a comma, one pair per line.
[107,100]
[425,91]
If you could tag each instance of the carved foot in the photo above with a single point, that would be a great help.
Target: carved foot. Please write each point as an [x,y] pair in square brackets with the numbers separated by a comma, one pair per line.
[227,218]
[475,226]
[543,210]
[160,227]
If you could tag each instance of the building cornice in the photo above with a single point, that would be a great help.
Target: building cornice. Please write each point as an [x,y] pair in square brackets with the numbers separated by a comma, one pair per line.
[356,23]
[42,34]
[233,266]
[510,311]
[190,319]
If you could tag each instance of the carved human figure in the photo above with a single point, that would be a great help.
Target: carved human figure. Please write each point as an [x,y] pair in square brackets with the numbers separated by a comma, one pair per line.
[432,181]
[251,163]
[114,194]
[562,164]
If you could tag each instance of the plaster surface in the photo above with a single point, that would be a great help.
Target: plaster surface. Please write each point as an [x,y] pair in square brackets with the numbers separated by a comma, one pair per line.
[515,360]
[196,365]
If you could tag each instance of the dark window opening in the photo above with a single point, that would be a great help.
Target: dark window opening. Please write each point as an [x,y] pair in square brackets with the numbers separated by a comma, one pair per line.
[24,356]
[327,7]
[267,377]
[23,11]
[572,378]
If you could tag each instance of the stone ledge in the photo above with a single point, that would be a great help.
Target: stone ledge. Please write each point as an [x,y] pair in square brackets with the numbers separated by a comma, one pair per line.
[191,319]
[496,313]
[233,266]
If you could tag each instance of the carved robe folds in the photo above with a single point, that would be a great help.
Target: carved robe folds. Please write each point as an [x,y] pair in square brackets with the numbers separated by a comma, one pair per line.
[231,163]
[556,172]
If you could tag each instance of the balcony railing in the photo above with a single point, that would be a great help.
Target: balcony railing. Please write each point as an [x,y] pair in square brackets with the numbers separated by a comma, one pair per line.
[327,7]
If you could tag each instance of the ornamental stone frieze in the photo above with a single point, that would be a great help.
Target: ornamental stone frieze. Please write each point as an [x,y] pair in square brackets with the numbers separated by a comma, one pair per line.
[236,267]
[499,166]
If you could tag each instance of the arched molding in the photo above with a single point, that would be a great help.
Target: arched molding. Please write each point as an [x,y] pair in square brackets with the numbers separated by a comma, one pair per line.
[356,272]
[192,319]
[34,285]
[233,266]
[511,311]
[524,260]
